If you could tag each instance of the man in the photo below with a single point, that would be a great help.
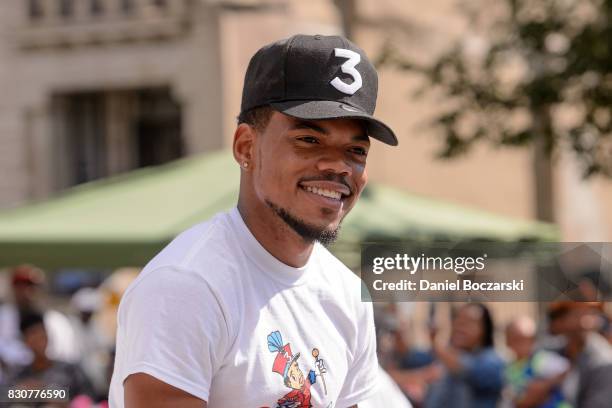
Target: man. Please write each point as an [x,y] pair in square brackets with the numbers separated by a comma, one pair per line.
[45,372]
[201,325]
[95,344]
[286,364]
[533,378]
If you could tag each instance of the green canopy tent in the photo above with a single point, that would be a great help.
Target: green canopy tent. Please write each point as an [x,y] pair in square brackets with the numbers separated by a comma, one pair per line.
[125,220]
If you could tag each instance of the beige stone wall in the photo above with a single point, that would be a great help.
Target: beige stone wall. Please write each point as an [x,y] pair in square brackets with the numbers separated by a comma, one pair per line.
[13,168]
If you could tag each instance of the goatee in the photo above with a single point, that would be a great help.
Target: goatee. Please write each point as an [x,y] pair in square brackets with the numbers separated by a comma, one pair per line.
[308,232]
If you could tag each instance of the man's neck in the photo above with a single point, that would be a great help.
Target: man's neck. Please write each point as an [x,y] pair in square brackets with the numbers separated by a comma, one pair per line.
[275,235]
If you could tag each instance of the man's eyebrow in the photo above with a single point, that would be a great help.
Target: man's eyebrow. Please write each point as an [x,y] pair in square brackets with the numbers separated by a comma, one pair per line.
[306,124]
[362,137]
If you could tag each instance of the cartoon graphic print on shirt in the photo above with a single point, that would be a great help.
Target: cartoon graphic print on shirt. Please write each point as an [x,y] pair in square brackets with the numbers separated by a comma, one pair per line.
[286,364]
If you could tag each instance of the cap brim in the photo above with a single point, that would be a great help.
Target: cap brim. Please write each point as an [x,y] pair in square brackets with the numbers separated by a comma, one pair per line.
[318,110]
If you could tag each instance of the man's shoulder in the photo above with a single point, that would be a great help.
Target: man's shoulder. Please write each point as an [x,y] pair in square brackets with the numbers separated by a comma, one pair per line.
[490,356]
[209,239]
[597,352]
[198,256]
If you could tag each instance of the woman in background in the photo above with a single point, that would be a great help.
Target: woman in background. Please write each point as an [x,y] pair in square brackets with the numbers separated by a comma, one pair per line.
[472,370]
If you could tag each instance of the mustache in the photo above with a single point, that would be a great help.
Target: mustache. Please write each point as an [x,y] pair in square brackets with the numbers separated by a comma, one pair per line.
[331,177]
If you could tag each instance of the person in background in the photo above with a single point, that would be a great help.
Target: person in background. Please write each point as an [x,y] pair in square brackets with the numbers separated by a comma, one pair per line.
[27,284]
[44,371]
[587,385]
[472,370]
[94,343]
[534,377]
[410,367]
[407,354]
[606,328]
[25,287]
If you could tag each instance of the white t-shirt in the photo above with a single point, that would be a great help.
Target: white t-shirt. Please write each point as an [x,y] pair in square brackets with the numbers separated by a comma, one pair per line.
[219,317]
[389,394]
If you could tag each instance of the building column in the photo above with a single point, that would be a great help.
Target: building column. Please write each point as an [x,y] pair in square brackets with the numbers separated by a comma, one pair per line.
[120,112]
[198,88]
[42,152]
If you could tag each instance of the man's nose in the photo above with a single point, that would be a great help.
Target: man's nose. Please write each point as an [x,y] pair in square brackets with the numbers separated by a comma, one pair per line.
[335,162]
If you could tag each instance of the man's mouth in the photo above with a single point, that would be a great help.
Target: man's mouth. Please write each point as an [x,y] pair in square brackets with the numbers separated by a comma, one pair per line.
[325,193]
[334,191]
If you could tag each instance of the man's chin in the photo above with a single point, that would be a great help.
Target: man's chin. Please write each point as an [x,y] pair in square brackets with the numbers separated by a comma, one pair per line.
[319,223]
[322,217]
[310,230]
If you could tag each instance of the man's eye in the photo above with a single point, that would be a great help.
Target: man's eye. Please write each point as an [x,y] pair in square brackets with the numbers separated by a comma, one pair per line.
[309,139]
[359,151]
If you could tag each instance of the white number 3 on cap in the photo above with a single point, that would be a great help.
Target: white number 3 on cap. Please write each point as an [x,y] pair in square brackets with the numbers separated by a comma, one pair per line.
[348,68]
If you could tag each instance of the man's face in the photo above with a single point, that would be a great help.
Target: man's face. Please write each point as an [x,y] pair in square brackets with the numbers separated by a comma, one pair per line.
[311,172]
[467,329]
[35,338]
[25,294]
[576,321]
[521,344]
[295,376]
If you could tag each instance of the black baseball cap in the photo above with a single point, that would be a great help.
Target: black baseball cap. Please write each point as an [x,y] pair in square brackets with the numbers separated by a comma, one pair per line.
[315,77]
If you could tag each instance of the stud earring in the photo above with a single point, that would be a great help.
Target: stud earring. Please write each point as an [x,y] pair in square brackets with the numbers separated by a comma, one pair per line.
[245,165]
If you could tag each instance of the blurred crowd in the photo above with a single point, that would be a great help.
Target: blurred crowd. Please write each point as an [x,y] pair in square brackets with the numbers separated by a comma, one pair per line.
[564,361]
[68,347]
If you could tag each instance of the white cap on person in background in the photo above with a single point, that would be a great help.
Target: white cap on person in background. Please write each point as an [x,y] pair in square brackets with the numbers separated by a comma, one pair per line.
[87,300]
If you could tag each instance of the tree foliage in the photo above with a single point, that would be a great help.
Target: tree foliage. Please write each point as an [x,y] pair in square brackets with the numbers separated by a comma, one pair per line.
[542,69]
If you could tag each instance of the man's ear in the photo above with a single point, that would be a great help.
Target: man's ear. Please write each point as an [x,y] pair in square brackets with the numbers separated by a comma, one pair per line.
[244,146]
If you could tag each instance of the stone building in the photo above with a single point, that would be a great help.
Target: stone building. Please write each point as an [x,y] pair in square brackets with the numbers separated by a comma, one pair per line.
[95,88]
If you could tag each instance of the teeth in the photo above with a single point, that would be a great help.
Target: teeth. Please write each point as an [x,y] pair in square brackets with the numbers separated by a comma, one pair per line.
[325,193]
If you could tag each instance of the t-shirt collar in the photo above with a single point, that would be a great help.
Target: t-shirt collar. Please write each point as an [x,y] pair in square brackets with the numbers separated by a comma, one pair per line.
[265,260]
